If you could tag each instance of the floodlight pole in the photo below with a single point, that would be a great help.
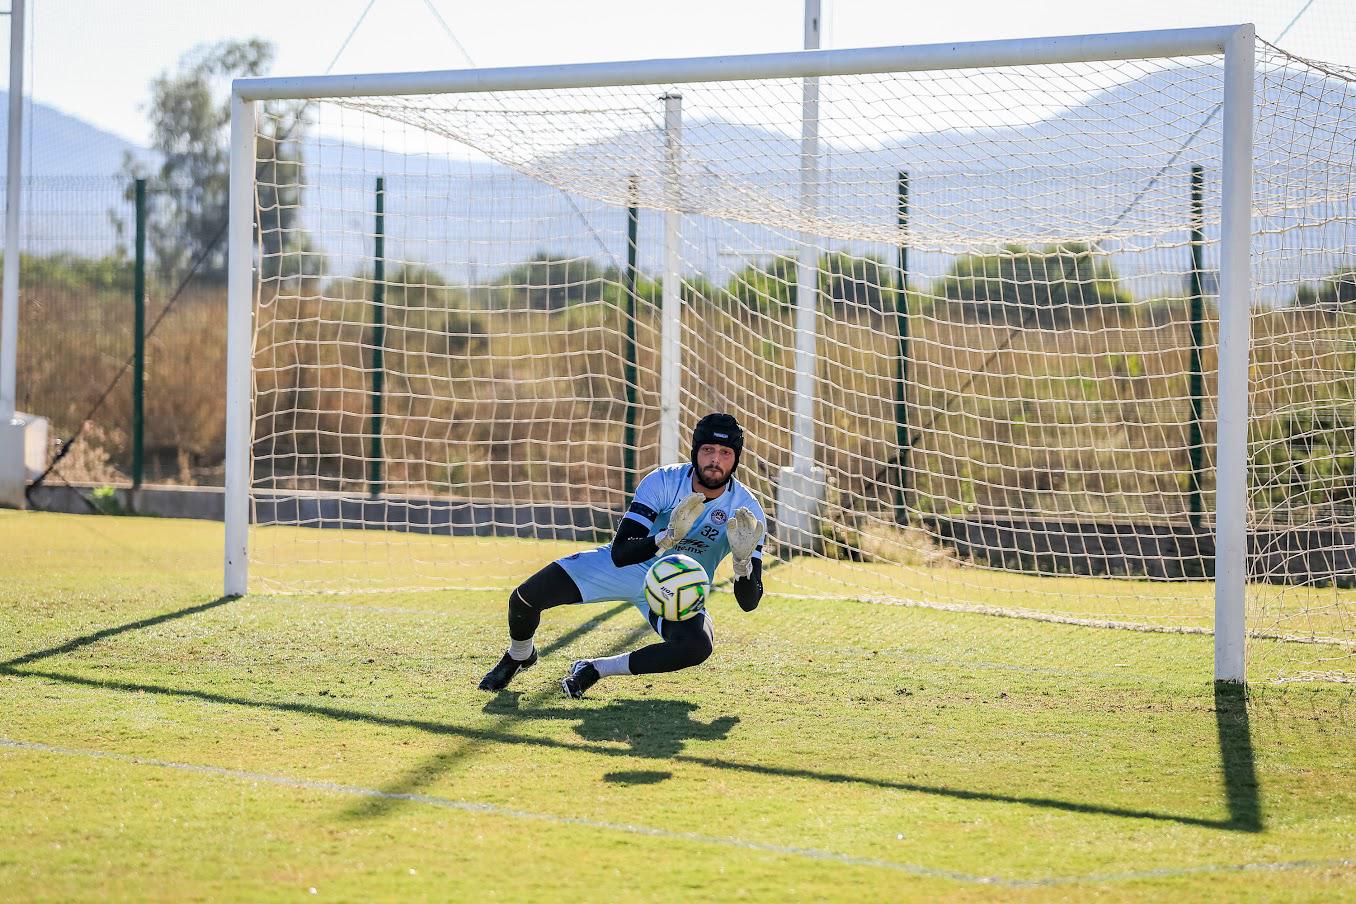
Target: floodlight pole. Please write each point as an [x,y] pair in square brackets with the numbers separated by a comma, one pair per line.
[239,340]
[13,438]
[807,284]
[671,303]
[9,321]
[1235,312]
[800,486]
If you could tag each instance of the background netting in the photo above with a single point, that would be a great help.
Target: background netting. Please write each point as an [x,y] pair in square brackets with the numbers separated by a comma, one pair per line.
[1037,447]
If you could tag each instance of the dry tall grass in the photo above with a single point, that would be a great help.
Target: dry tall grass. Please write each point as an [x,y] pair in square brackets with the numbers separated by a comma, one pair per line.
[75,341]
[1091,420]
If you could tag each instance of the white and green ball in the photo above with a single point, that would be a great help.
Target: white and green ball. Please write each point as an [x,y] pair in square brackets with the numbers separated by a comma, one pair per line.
[676,587]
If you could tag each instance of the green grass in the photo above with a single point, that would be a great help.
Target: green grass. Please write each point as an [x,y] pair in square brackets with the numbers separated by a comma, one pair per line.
[828,750]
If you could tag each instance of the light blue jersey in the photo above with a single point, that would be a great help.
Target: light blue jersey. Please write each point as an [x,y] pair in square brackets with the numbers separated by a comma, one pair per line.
[656,498]
[661,491]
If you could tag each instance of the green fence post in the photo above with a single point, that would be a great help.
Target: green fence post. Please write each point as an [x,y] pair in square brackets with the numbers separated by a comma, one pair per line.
[374,461]
[1196,441]
[139,343]
[902,441]
[630,373]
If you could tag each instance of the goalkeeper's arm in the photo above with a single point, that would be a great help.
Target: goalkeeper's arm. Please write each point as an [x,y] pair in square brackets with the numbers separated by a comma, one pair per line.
[626,546]
[632,544]
[748,591]
[745,533]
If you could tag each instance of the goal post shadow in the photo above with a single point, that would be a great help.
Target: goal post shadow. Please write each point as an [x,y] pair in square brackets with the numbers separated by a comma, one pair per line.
[1242,793]
[421,774]
[11,666]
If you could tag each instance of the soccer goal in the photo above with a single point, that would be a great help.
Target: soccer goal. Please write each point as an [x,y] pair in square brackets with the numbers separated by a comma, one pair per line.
[1060,330]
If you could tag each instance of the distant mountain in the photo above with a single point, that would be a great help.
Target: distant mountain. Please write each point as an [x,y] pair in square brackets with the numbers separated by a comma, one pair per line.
[1113,167]
[72,176]
[63,145]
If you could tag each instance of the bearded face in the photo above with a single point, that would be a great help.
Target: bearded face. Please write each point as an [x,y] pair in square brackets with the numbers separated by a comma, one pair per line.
[714,465]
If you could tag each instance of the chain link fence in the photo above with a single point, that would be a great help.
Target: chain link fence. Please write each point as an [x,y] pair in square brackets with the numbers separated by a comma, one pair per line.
[77,338]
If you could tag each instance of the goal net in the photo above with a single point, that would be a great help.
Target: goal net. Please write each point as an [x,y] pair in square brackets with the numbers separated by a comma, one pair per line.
[1006,280]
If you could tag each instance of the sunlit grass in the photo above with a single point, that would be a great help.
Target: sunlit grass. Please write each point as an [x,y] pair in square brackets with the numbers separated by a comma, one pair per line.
[830,749]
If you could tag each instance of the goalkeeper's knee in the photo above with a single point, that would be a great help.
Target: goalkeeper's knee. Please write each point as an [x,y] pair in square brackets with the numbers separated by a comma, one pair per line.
[518,602]
[691,641]
[550,587]
[686,643]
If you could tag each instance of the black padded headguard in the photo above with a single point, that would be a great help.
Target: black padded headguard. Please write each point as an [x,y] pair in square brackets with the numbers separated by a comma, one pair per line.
[720,429]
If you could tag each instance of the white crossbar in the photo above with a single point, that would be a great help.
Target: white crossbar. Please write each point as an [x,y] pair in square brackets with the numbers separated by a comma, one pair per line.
[1178,42]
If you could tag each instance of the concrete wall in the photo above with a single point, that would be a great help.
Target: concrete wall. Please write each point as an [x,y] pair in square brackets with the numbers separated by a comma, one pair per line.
[23,456]
[11,464]
[1285,555]
[206,503]
[425,515]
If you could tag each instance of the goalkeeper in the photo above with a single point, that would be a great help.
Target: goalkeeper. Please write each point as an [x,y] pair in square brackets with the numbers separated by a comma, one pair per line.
[698,509]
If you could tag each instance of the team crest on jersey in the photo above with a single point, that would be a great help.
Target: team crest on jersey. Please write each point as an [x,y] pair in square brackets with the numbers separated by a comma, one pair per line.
[718,516]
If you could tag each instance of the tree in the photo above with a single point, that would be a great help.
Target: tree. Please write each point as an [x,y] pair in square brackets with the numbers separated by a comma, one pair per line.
[849,282]
[1335,292]
[64,271]
[286,251]
[768,288]
[844,281]
[1046,288]
[190,118]
[548,283]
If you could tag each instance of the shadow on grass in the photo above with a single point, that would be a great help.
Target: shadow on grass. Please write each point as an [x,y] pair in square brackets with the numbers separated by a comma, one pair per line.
[85,640]
[668,727]
[657,729]
[651,728]
[637,777]
[1241,791]
[425,772]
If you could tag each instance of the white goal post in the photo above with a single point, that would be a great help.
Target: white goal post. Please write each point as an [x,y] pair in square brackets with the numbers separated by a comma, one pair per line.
[1235,44]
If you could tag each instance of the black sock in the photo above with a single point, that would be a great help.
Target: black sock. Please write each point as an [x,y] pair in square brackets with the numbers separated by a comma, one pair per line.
[523,620]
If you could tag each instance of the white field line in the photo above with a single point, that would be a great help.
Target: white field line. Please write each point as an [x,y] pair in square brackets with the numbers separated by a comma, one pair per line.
[904,602]
[281,594]
[1032,615]
[349,607]
[693,837]
[360,608]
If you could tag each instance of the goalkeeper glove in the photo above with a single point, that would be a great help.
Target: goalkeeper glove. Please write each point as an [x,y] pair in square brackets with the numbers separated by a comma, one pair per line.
[744,533]
[681,521]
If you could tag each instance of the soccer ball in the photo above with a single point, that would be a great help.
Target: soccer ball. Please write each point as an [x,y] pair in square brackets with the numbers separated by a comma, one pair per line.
[676,587]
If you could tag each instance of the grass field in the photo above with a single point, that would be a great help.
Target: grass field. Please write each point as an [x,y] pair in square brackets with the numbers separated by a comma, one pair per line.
[160,743]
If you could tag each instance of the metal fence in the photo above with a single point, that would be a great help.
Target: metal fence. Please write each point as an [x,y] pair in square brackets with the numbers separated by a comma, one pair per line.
[77,338]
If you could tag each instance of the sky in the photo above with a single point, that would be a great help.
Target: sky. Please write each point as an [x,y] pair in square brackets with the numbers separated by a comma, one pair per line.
[94,59]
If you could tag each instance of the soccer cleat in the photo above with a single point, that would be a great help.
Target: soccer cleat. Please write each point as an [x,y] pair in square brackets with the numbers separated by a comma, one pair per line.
[582,676]
[498,678]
